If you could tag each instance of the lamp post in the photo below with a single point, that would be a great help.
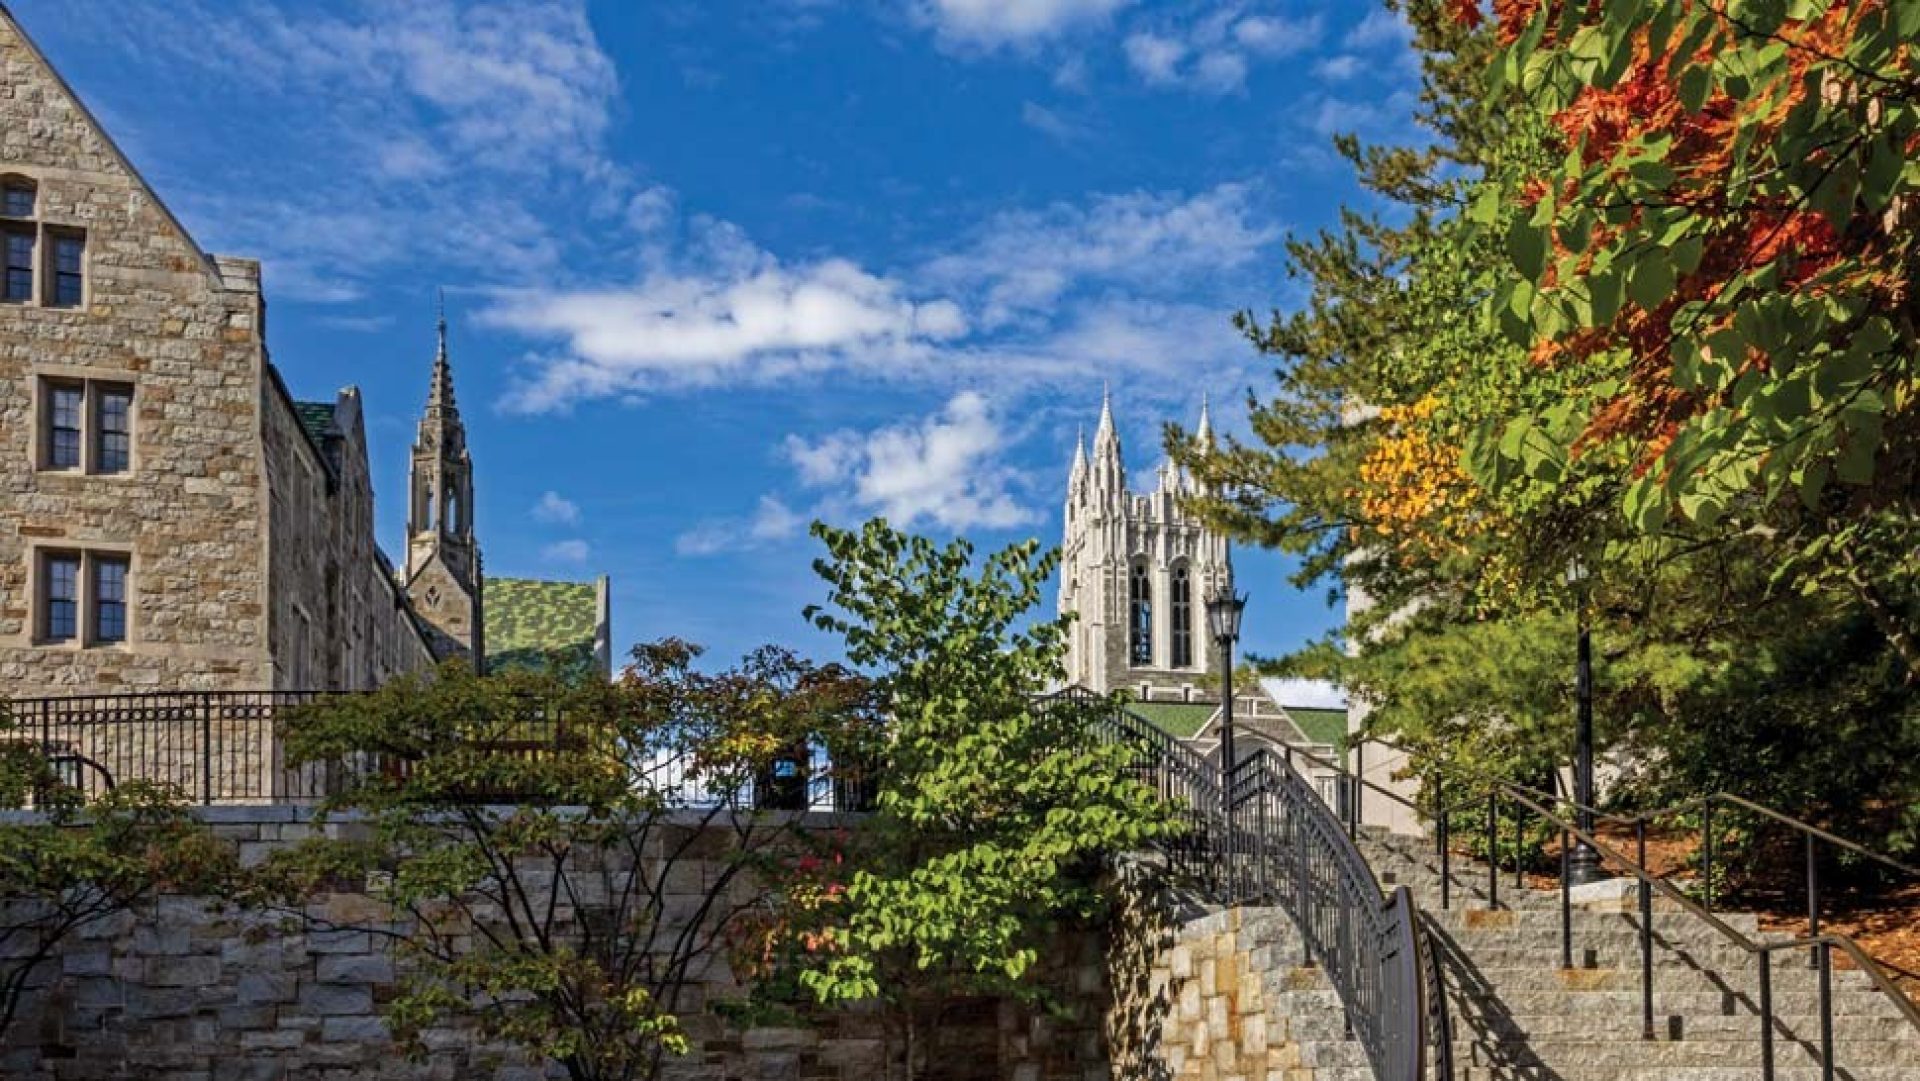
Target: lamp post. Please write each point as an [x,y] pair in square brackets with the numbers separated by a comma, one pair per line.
[1223,623]
[1583,864]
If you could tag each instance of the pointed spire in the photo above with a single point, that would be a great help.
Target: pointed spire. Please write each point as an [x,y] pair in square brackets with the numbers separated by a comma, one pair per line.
[1080,453]
[1104,431]
[1204,433]
[440,394]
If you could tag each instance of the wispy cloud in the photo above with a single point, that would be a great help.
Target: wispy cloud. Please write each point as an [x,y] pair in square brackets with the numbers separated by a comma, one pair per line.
[994,23]
[772,521]
[456,116]
[555,509]
[1054,124]
[1213,53]
[566,551]
[1012,301]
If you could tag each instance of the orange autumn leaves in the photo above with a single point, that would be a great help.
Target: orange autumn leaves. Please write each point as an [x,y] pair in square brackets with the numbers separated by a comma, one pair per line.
[1646,146]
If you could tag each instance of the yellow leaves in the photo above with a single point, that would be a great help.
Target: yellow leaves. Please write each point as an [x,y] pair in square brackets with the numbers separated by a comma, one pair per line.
[1413,491]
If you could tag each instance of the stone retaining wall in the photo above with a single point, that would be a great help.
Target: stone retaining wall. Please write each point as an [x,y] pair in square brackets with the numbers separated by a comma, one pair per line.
[191,991]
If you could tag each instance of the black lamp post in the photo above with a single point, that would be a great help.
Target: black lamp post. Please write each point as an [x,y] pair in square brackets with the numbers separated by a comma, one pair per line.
[1583,865]
[1223,623]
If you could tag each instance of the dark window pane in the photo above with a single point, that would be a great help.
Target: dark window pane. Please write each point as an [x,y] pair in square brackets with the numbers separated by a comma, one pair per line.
[110,600]
[65,409]
[1140,596]
[18,202]
[1182,618]
[116,443]
[63,597]
[19,284]
[69,259]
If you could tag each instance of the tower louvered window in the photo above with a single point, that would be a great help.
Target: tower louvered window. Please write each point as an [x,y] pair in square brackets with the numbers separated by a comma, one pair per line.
[1140,616]
[1182,613]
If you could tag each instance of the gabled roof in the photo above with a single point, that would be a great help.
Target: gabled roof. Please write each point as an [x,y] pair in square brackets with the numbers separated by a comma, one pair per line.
[9,21]
[530,623]
[317,419]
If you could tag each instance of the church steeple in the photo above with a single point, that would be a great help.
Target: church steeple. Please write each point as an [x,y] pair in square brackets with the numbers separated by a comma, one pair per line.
[443,559]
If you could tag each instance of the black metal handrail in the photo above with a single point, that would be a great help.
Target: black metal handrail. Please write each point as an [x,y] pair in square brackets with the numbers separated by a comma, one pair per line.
[1273,840]
[1820,945]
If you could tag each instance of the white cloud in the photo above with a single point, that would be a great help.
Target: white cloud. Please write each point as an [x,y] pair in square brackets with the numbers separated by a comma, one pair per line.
[430,130]
[1154,58]
[1338,68]
[554,509]
[1275,36]
[1022,262]
[1053,125]
[651,209]
[1380,28]
[1213,53]
[942,469]
[566,551]
[990,23]
[696,329]
[998,306]
[772,521]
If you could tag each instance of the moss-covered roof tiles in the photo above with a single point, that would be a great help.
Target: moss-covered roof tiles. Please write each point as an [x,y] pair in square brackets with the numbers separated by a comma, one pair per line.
[316,418]
[1320,725]
[528,622]
[1178,719]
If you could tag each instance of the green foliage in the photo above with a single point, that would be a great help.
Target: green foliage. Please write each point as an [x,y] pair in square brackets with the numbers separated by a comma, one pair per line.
[1463,408]
[556,858]
[71,862]
[993,816]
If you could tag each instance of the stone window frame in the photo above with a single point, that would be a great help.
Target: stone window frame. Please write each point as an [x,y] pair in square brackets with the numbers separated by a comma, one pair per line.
[90,556]
[43,232]
[95,386]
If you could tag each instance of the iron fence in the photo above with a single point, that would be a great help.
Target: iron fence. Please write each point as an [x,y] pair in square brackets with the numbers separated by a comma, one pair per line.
[229,748]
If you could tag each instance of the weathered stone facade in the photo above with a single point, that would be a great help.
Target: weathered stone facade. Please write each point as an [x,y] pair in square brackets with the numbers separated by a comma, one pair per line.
[248,546]
[1203,993]
[1115,537]
[190,991]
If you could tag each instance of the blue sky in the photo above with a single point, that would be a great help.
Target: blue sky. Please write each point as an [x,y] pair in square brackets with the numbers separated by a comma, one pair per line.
[715,269]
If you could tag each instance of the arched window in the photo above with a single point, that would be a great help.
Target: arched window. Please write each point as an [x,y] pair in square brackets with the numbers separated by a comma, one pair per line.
[1182,613]
[1140,616]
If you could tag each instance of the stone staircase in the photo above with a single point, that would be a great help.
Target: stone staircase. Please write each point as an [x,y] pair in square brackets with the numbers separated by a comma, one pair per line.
[1518,1015]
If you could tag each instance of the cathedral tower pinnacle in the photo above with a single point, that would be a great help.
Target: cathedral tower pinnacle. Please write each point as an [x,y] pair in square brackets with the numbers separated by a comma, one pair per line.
[1135,572]
[443,575]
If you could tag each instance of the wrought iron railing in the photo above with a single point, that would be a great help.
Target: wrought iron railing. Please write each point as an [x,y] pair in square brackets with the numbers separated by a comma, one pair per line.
[229,748]
[1277,842]
[1453,789]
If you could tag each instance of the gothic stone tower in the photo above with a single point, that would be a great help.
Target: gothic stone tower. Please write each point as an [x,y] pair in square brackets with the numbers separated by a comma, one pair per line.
[443,578]
[1137,570]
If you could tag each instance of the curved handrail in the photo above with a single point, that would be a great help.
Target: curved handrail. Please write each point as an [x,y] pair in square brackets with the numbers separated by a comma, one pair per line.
[1270,838]
[1822,943]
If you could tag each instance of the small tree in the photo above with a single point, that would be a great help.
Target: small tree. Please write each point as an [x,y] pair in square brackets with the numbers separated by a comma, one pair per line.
[992,816]
[66,863]
[560,858]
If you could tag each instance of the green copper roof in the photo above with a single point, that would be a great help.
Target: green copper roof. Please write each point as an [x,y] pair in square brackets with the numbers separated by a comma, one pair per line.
[1320,725]
[316,418]
[1178,719]
[528,622]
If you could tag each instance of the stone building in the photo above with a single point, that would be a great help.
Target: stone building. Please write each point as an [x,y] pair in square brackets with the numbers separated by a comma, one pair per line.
[1136,571]
[172,518]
